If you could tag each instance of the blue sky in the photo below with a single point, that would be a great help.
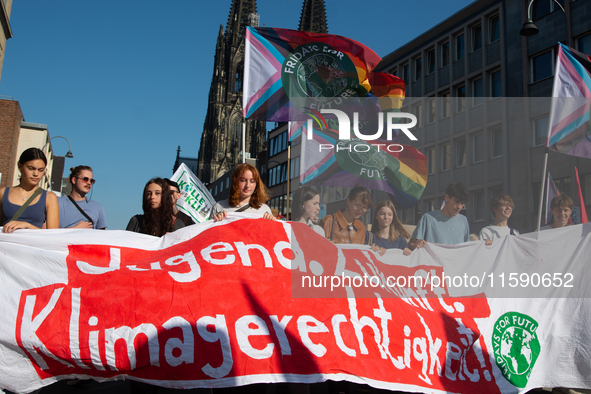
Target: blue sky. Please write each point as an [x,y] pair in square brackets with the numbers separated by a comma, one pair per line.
[126,82]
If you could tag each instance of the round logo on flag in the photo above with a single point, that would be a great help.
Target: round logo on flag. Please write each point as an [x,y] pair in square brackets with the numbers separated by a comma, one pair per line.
[316,70]
[516,346]
[361,159]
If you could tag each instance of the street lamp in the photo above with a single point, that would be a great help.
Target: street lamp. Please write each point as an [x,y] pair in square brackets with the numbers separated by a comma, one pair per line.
[57,171]
[530,29]
[69,155]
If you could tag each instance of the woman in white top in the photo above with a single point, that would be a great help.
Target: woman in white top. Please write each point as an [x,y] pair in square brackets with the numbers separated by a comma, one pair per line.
[248,194]
[306,207]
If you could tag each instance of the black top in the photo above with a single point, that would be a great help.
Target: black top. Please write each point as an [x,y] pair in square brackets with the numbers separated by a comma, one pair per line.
[136,224]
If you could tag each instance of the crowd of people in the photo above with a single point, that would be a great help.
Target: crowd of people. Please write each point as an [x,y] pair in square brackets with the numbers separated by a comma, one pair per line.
[27,206]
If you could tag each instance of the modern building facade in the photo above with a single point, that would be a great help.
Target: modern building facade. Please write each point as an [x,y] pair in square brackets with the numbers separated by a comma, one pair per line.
[5,30]
[480,92]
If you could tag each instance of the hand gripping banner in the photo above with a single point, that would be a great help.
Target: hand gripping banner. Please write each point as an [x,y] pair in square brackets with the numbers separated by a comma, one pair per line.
[249,300]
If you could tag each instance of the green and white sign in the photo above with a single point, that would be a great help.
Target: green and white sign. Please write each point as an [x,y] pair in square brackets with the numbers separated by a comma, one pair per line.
[195,201]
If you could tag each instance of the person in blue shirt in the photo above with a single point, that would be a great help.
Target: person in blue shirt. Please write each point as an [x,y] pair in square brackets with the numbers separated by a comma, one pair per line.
[70,206]
[445,226]
[386,230]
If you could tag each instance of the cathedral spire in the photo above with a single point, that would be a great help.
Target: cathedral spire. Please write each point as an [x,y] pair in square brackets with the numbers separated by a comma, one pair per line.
[313,18]
[239,18]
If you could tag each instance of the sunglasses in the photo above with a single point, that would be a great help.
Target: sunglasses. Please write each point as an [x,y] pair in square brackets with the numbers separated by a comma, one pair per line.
[87,179]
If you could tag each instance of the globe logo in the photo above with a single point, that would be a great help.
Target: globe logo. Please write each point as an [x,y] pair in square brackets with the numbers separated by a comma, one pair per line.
[361,158]
[516,346]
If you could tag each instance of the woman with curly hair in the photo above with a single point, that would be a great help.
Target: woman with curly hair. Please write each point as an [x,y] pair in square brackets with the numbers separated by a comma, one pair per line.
[158,218]
[248,194]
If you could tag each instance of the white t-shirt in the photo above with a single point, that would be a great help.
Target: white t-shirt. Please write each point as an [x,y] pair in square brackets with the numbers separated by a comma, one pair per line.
[495,232]
[224,205]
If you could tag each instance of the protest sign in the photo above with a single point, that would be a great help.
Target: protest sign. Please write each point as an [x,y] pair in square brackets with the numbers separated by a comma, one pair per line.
[195,201]
[217,305]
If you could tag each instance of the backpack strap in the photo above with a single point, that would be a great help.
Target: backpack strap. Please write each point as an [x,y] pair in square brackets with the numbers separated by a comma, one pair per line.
[332,229]
[81,211]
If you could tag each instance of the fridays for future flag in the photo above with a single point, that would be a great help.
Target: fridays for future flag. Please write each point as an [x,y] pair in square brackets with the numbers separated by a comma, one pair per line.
[195,201]
[570,127]
[281,64]
[223,304]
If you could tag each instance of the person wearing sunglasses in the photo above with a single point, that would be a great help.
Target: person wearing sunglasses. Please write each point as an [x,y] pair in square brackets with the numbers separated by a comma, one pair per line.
[77,210]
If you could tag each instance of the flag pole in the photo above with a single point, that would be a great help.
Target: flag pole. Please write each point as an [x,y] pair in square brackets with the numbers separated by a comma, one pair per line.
[243,140]
[288,173]
[542,190]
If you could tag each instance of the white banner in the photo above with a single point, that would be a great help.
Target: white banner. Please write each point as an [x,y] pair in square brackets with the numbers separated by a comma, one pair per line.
[218,305]
[196,201]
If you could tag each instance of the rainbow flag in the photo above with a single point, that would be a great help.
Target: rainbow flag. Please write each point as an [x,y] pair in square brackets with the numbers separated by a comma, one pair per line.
[570,131]
[281,64]
[397,169]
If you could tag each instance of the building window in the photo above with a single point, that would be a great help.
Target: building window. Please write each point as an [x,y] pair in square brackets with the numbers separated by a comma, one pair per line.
[478,205]
[405,72]
[418,112]
[445,110]
[445,157]
[460,47]
[278,144]
[461,95]
[418,68]
[431,61]
[494,31]
[431,114]
[431,161]
[294,168]
[461,152]
[541,8]
[540,127]
[477,92]
[429,206]
[476,38]
[227,182]
[495,84]
[542,66]
[496,142]
[444,54]
[278,175]
[584,44]
[478,147]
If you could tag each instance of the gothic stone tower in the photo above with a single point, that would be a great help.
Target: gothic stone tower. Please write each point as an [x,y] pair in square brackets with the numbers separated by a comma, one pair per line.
[313,18]
[221,142]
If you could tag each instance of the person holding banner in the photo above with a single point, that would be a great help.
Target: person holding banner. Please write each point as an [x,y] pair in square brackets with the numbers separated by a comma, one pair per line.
[158,218]
[561,208]
[27,206]
[386,230]
[306,207]
[502,207]
[344,226]
[445,226]
[248,194]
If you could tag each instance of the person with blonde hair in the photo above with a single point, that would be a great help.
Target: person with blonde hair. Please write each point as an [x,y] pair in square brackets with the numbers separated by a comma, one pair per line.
[386,230]
[502,207]
[248,194]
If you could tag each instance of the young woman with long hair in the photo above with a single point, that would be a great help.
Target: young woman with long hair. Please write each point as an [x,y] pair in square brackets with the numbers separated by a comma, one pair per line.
[386,230]
[158,218]
[43,209]
[306,207]
[248,194]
